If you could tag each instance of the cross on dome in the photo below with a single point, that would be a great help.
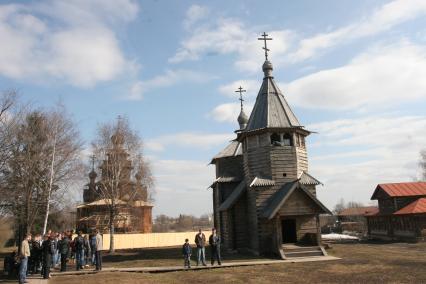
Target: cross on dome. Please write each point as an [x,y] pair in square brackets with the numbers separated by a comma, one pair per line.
[241,91]
[265,38]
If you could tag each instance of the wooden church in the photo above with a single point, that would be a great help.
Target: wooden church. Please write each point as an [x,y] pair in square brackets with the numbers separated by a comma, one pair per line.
[264,198]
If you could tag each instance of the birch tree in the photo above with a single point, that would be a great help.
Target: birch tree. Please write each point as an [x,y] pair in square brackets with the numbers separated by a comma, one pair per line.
[422,164]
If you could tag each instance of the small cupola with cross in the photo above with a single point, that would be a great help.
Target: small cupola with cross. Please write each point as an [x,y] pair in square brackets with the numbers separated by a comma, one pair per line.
[242,118]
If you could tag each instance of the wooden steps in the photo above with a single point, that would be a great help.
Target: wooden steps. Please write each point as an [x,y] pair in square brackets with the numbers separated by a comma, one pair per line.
[294,251]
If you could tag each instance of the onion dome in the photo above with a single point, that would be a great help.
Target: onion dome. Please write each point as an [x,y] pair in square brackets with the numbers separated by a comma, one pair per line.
[267,68]
[93,175]
[117,139]
[242,119]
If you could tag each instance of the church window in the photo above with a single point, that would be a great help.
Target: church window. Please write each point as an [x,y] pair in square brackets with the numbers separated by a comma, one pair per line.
[287,141]
[302,141]
[275,139]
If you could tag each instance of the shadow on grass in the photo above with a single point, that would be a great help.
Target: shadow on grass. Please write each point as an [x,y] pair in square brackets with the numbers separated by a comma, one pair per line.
[169,253]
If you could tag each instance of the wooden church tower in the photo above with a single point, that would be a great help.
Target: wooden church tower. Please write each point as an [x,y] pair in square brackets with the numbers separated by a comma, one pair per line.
[264,199]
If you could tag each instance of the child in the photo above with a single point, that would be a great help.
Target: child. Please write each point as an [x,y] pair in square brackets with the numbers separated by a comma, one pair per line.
[187,251]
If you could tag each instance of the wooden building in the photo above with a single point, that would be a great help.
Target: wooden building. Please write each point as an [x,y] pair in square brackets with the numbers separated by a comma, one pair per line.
[354,219]
[263,195]
[134,210]
[402,212]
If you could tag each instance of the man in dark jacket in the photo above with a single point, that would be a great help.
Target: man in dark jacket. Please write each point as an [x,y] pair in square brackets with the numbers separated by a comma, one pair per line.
[64,250]
[200,241]
[48,250]
[214,241]
[79,250]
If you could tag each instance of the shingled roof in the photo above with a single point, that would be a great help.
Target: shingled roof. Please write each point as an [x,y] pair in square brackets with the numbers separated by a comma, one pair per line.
[236,193]
[232,150]
[271,110]
[307,179]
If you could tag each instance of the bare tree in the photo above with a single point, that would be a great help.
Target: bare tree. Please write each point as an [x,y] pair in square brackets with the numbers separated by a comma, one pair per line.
[65,147]
[422,164]
[39,164]
[118,151]
[10,116]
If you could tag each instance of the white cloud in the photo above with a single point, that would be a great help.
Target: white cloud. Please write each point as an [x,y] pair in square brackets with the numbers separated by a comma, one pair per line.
[181,187]
[72,41]
[229,112]
[169,78]
[251,87]
[382,19]
[189,140]
[377,149]
[380,77]
[230,36]
[194,14]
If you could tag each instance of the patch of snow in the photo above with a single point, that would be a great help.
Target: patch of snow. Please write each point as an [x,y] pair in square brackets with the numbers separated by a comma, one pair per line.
[334,236]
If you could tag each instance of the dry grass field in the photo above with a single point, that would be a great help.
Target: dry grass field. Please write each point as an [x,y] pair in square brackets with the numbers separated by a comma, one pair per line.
[361,263]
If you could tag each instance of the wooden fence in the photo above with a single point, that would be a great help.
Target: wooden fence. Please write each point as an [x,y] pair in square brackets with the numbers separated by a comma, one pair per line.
[151,240]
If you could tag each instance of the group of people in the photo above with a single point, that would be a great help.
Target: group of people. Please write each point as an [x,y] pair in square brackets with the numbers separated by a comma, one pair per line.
[39,254]
[200,242]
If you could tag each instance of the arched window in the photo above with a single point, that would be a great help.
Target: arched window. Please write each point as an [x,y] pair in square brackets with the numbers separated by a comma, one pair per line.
[275,139]
[287,141]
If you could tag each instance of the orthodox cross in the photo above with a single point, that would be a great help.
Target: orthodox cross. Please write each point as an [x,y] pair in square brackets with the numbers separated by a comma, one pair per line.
[93,157]
[241,91]
[265,37]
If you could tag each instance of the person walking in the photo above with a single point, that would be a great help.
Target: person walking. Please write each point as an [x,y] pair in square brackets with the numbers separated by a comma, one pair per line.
[93,248]
[200,241]
[55,256]
[79,250]
[214,241]
[64,250]
[24,254]
[98,250]
[36,254]
[186,251]
[47,251]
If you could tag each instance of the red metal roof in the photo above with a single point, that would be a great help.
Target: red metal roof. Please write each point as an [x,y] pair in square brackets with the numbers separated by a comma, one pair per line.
[402,189]
[417,207]
[358,211]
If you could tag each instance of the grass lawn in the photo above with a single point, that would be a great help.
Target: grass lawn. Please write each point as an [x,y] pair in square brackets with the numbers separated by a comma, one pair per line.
[361,263]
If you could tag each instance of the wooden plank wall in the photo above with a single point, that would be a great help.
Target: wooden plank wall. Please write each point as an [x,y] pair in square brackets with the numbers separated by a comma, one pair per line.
[298,204]
[305,225]
[241,223]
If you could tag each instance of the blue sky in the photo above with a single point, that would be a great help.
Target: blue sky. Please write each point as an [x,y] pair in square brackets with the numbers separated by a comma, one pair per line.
[353,71]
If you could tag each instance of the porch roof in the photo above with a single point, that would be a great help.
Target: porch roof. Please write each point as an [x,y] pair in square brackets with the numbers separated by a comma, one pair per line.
[278,199]
[416,207]
[235,195]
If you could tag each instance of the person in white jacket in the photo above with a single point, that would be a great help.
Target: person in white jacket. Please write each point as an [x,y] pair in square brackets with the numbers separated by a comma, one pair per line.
[98,255]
